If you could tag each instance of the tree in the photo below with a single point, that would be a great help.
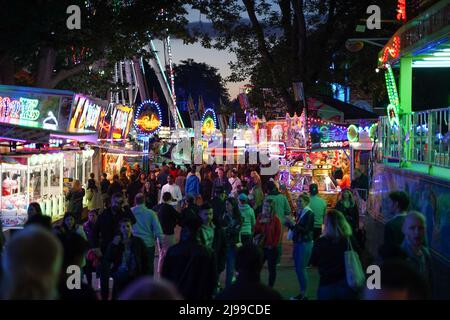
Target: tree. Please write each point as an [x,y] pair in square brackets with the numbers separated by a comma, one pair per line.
[286,41]
[200,79]
[38,49]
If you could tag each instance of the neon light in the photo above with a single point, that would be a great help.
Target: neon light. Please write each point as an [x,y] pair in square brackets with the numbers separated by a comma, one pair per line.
[47,122]
[394,105]
[209,121]
[22,109]
[393,50]
[352,133]
[121,120]
[401,10]
[334,144]
[86,115]
[148,118]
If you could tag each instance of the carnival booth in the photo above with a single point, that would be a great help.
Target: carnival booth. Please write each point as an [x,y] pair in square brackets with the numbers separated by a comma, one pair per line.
[31,178]
[35,157]
[320,152]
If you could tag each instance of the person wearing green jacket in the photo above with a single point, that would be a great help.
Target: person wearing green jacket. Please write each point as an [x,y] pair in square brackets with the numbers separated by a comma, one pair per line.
[281,207]
[248,219]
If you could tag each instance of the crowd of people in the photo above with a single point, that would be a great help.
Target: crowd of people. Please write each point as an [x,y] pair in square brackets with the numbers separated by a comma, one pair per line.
[201,222]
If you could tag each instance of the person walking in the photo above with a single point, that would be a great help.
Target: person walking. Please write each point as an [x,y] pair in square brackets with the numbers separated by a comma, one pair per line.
[93,196]
[302,229]
[221,181]
[319,207]
[268,229]
[398,205]
[148,228]
[328,256]
[168,218]
[232,224]
[248,219]
[348,207]
[104,186]
[75,200]
[172,188]
[192,184]
[126,258]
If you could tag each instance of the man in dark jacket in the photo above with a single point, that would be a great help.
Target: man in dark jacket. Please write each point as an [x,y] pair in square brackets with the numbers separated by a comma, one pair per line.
[393,235]
[218,205]
[168,218]
[248,286]
[191,266]
[106,228]
[126,258]
[133,189]
[221,181]
[114,187]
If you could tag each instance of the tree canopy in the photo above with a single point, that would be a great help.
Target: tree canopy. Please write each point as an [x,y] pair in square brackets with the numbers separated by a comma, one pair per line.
[286,41]
[200,79]
[38,49]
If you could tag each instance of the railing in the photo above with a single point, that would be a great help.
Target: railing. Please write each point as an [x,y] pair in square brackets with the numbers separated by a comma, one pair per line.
[422,137]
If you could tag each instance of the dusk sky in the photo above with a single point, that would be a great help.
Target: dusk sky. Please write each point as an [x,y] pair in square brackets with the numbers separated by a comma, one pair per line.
[215,58]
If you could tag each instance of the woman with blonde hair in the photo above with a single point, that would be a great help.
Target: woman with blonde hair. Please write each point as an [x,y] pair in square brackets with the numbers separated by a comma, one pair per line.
[328,256]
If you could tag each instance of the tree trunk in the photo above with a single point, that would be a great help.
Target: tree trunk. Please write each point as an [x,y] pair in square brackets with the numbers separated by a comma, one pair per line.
[6,69]
[264,51]
[301,38]
[46,63]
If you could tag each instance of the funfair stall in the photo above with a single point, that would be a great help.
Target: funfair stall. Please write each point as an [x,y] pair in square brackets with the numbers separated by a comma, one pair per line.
[35,133]
[320,152]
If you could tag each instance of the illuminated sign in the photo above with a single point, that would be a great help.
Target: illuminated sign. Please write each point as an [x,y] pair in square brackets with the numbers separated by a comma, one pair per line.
[35,108]
[209,121]
[86,113]
[323,134]
[334,144]
[401,10]
[148,118]
[121,121]
[393,108]
[392,50]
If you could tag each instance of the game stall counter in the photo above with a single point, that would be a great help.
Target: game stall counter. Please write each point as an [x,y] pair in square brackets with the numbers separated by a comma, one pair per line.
[31,178]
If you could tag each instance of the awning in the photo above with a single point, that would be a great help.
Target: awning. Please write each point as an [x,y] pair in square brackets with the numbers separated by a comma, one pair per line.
[10,132]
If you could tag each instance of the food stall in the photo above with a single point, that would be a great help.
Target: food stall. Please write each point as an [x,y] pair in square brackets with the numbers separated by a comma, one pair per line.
[31,178]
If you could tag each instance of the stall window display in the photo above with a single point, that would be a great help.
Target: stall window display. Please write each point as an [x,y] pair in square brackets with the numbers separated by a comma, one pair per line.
[314,167]
[77,166]
[26,179]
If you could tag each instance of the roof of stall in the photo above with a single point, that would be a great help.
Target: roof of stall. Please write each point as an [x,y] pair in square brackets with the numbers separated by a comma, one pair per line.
[10,132]
[350,111]
[426,39]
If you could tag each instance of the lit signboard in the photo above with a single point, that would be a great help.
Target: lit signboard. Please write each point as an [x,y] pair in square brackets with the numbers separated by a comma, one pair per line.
[115,122]
[328,135]
[86,112]
[35,108]
[148,118]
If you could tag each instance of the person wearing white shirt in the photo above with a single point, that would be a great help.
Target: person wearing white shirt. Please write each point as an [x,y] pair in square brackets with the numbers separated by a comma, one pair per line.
[147,227]
[235,182]
[171,187]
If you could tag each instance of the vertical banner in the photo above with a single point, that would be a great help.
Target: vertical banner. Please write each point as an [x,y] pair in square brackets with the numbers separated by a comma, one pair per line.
[201,106]
[299,93]
[243,101]
[191,109]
